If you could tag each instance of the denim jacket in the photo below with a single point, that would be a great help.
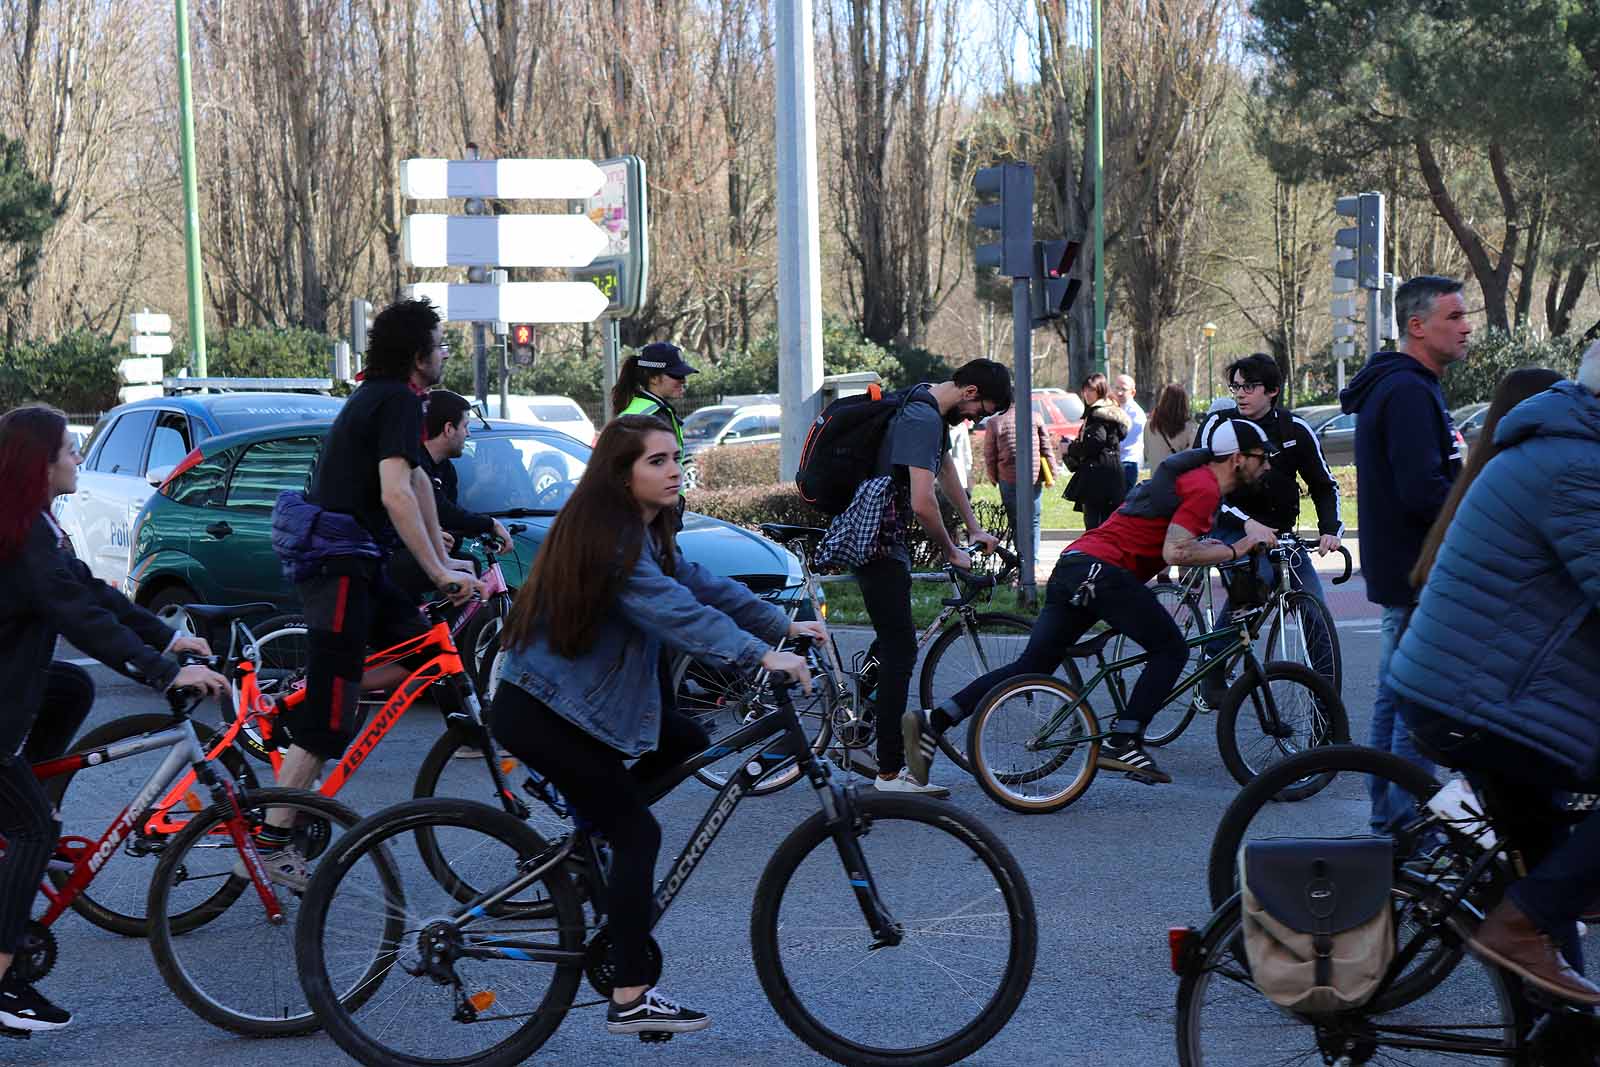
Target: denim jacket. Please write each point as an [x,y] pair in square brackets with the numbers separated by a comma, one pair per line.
[613,691]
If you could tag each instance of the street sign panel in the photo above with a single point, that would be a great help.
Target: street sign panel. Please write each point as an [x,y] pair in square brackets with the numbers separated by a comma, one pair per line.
[150,344]
[506,179]
[1344,348]
[142,371]
[150,322]
[1344,307]
[500,240]
[514,301]
[129,393]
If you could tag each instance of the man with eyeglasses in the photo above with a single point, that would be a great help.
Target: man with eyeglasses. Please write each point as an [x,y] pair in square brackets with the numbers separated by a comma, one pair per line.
[1274,501]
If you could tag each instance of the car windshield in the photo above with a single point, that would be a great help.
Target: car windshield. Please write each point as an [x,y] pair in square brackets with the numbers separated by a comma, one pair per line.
[243,411]
[706,423]
[519,473]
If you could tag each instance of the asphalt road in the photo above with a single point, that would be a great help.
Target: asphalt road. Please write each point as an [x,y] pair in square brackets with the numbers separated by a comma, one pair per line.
[1109,875]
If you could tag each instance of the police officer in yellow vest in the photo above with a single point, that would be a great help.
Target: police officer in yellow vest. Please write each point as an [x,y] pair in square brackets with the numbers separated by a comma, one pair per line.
[647,381]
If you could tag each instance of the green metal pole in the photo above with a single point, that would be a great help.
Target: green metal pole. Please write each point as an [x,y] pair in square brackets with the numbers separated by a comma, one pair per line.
[191,195]
[1099,204]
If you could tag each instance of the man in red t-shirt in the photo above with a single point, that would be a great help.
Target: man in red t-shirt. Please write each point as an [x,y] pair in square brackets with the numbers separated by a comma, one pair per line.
[1162,523]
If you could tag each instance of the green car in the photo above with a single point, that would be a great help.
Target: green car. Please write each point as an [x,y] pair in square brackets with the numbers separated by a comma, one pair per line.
[206,535]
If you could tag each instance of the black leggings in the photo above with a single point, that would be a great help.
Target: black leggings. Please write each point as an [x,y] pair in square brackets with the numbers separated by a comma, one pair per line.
[610,797]
[27,820]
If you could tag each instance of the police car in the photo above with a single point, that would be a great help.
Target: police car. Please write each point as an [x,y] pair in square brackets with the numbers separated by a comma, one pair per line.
[135,447]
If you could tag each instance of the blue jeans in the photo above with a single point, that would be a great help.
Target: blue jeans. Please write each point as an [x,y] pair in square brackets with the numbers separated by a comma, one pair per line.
[1388,731]
[1008,498]
[1130,474]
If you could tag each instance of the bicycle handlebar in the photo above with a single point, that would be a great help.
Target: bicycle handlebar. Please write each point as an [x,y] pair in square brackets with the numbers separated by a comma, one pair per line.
[1289,542]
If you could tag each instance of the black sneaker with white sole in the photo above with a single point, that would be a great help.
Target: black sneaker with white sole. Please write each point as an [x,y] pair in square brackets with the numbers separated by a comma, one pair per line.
[922,743]
[653,1012]
[23,1007]
[1124,753]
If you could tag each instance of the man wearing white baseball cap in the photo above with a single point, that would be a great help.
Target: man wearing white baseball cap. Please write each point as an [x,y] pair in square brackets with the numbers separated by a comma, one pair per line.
[1101,577]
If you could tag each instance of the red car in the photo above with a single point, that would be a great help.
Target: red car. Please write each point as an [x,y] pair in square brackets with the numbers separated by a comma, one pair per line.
[1062,418]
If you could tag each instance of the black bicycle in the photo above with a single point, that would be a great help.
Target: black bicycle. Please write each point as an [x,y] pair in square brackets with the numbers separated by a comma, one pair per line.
[886,930]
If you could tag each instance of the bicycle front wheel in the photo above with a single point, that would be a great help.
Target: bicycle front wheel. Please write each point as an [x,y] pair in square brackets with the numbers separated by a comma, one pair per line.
[447,996]
[209,931]
[1303,713]
[969,936]
[725,701]
[479,645]
[1023,761]
[1303,632]
[1472,1016]
[961,655]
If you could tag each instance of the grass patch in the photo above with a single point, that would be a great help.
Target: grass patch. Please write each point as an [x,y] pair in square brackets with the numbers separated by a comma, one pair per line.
[845,607]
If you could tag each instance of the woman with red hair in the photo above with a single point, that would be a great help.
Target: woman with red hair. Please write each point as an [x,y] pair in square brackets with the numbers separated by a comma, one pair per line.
[51,593]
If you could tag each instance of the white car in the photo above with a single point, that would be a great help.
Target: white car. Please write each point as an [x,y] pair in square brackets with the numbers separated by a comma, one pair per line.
[557,412]
[135,447]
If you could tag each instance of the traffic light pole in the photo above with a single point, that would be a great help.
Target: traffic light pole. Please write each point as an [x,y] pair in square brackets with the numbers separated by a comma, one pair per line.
[611,347]
[191,195]
[1027,461]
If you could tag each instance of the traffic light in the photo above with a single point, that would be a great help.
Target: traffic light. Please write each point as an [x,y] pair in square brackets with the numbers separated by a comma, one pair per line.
[1011,214]
[522,342]
[360,323]
[1364,239]
[1052,292]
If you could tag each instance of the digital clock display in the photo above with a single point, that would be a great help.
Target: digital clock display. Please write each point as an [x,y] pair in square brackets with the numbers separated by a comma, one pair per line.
[607,278]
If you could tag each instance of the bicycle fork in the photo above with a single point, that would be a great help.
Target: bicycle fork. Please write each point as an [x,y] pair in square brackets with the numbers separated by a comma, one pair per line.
[243,841]
[846,825]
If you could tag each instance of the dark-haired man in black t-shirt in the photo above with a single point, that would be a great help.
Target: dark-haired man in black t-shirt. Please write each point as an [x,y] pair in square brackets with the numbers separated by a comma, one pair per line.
[370,469]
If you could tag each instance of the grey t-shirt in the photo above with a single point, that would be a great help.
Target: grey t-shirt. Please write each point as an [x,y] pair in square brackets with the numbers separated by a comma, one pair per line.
[916,438]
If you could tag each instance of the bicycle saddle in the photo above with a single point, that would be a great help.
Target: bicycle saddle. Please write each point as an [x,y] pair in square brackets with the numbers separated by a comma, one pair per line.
[215,614]
[1092,647]
[777,531]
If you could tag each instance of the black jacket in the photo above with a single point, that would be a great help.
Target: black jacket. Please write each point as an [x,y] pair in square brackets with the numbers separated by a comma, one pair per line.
[1275,500]
[452,516]
[1406,460]
[50,593]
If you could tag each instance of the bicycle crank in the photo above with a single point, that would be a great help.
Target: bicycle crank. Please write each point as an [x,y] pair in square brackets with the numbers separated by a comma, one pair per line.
[37,955]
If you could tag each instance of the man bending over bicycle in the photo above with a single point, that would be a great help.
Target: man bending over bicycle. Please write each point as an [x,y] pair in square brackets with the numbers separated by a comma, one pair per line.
[585,686]
[50,593]
[369,493]
[1101,578]
[1274,501]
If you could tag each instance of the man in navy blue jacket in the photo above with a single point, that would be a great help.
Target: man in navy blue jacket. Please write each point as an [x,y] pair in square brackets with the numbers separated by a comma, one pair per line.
[1407,456]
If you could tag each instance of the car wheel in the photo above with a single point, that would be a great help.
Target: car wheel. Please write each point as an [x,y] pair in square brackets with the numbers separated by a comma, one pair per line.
[171,596]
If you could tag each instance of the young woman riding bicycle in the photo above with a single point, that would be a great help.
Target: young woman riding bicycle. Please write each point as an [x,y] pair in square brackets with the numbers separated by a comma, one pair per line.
[51,593]
[583,687]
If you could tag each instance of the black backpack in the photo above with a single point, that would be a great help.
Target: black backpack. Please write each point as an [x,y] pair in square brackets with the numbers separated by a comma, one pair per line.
[841,448]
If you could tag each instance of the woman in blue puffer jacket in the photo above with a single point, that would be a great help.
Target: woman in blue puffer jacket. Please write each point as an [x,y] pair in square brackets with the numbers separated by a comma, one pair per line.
[583,684]
[1500,665]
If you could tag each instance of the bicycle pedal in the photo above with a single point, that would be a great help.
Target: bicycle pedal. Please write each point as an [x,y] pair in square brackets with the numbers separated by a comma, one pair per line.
[14,1034]
[1142,779]
[655,1037]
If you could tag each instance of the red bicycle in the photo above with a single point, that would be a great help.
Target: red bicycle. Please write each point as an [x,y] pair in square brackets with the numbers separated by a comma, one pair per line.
[432,660]
[208,877]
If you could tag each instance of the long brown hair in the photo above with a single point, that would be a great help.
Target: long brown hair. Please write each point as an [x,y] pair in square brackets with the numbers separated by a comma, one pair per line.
[595,540]
[1172,410]
[1513,389]
[30,440]
[1098,383]
[632,380]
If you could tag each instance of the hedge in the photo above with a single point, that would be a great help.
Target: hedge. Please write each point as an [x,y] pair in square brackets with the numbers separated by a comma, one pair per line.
[76,372]
[1493,353]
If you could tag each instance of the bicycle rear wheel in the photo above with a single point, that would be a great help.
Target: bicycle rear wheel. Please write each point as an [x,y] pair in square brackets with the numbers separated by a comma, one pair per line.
[209,931]
[1016,762]
[724,701]
[91,798]
[1174,718]
[1223,1020]
[960,656]
[1303,632]
[1309,715]
[435,1006]
[970,936]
